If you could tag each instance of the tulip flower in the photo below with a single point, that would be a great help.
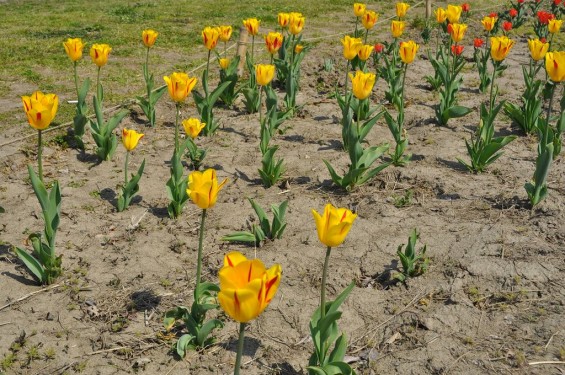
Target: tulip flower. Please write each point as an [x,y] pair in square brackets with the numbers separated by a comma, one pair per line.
[179,85]
[465,7]
[365,52]
[538,49]
[369,19]
[264,73]
[193,127]
[453,13]
[351,47]
[210,36]
[296,23]
[401,9]
[407,51]
[334,224]
[441,15]
[513,13]
[359,9]
[252,25]
[493,14]
[73,48]
[379,47]
[554,26]
[130,138]
[298,48]
[489,23]
[224,63]
[362,84]
[397,28]
[225,33]
[99,54]
[507,26]
[149,37]
[500,46]
[246,289]
[478,43]
[283,19]
[544,17]
[246,286]
[273,41]
[555,66]
[40,110]
[203,188]
[458,31]
[457,49]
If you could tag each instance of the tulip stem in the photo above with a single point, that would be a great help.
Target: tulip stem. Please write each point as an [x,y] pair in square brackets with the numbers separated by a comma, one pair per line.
[491,101]
[323,291]
[402,92]
[177,128]
[239,348]
[76,81]
[200,243]
[345,84]
[252,48]
[260,105]
[39,156]
[547,119]
[208,66]
[359,117]
[147,70]
[366,35]
[98,87]
[126,169]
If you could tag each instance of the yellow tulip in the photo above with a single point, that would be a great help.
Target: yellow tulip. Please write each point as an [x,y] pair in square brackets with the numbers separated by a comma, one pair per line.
[193,127]
[224,63]
[333,225]
[40,109]
[397,28]
[458,31]
[264,73]
[298,48]
[351,47]
[225,33]
[210,36]
[555,65]
[401,9]
[554,26]
[369,19]
[203,188]
[362,84]
[489,23]
[365,52]
[538,49]
[179,85]
[252,25]
[73,48]
[359,9]
[441,15]
[283,19]
[130,138]
[99,54]
[453,13]
[273,41]
[246,286]
[149,37]
[407,51]
[500,46]
[296,23]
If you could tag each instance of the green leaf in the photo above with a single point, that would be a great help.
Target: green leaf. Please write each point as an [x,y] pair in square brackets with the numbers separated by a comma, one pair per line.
[205,330]
[240,237]
[263,219]
[339,349]
[32,264]
[183,344]
[458,111]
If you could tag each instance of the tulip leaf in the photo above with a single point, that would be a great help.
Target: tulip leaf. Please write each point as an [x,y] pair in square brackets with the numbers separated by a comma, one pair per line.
[339,349]
[2,210]
[32,264]
[315,370]
[338,368]
[183,344]
[206,329]
[240,237]
[458,111]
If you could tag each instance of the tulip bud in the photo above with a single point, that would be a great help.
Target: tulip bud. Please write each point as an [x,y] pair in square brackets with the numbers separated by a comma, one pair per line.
[130,138]
[73,48]
[149,37]
[193,127]
[99,54]
[333,225]
[40,109]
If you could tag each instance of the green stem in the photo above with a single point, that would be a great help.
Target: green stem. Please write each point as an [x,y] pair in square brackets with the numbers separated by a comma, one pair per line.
[491,100]
[345,84]
[548,114]
[39,156]
[147,67]
[252,48]
[323,291]
[239,348]
[359,118]
[177,128]
[356,27]
[98,88]
[76,81]
[225,49]
[402,92]
[260,105]
[200,244]
[366,34]
[208,64]
[126,169]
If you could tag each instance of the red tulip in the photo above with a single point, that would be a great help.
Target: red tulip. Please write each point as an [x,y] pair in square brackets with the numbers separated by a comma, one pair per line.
[478,43]
[465,7]
[513,12]
[379,47]
[507,26]
[457,49]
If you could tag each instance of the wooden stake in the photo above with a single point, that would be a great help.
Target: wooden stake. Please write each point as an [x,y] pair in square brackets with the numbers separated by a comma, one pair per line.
[242,49]
[428,8]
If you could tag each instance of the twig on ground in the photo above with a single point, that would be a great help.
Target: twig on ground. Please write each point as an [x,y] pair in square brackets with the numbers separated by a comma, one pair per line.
[546,363]
[551,338]
[29,295]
